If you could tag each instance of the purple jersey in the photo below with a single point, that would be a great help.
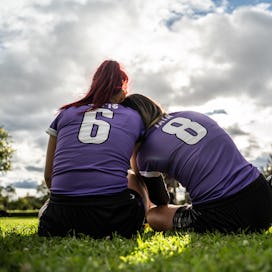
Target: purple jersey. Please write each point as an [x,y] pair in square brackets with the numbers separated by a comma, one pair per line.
[93,149]
[191,148]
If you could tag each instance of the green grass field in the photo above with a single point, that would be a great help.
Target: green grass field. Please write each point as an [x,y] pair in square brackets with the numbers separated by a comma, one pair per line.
[22,250]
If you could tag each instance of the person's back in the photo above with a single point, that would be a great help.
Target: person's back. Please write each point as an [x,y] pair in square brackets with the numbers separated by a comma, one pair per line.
[88,156]
[228,193]
[94,148]
[193,149]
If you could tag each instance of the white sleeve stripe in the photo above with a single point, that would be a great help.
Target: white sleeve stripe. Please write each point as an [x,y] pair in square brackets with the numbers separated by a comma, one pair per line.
[150,174]
[130,171]
[51,132]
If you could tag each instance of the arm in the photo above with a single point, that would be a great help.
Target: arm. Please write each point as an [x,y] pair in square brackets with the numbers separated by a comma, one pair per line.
[156,187]
[133,162]
[49,160]
[157,190]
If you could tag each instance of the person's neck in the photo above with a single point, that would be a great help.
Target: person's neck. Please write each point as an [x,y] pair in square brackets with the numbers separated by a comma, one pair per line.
[118,98]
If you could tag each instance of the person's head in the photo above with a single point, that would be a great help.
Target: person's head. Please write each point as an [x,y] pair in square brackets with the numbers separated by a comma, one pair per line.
[109,84]
[150,111]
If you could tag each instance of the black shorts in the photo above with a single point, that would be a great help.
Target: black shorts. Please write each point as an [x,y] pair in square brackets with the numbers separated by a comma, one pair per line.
[249,210]
[98,216]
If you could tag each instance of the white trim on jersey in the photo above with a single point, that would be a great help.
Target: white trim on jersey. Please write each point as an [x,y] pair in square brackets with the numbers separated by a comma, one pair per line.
[51,132]
[150,174]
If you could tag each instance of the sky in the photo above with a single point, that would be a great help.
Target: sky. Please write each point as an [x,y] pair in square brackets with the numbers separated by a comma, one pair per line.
[210,56]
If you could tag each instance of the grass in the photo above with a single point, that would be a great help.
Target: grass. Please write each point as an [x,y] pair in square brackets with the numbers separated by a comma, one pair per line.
[22,250]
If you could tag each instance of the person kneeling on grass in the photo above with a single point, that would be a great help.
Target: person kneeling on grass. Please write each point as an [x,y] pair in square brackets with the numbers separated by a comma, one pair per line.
[88,156]
[228,194]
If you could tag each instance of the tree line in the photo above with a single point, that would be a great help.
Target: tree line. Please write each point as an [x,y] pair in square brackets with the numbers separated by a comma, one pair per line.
[7,201]
[8,192]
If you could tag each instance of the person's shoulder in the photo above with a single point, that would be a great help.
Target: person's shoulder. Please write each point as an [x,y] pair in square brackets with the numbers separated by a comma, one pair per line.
[189,114]
[185,112]
[131,116]
[128,110]
[77,109]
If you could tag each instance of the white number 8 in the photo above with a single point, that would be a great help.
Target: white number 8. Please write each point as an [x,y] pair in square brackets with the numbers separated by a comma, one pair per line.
[186,130]
[90,124]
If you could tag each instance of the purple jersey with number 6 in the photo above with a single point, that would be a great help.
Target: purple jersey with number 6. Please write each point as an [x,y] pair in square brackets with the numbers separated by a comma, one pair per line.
[93,149]
[191,148]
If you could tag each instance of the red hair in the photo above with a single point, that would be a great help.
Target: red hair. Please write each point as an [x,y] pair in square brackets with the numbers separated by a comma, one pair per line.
[108,80]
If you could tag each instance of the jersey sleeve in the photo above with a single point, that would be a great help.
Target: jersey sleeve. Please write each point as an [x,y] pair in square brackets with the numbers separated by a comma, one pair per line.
[53,128]
[151,174]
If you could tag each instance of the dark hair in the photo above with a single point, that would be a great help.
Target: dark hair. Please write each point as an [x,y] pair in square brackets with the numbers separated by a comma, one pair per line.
[108,80]
[150,111]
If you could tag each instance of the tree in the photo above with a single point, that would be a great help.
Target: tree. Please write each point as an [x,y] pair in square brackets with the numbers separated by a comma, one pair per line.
[6,194]
[267,170]
[6,151]
[43,191]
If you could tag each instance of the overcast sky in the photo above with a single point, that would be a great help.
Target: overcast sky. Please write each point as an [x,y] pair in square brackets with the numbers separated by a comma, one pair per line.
[211,56]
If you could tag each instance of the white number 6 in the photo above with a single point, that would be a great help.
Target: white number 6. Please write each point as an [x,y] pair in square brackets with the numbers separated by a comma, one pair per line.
[186,130]
[100,128]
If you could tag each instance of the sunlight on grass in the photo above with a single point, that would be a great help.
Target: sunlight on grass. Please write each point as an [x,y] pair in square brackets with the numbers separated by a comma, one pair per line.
[157,246]
[18,225]
[269,230]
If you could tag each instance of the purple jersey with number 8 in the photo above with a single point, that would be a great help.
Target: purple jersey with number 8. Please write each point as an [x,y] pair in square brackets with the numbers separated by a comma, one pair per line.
[191,148]
[93,149]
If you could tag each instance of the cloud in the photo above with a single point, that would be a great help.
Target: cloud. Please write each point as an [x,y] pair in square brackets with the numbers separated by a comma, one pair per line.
[251,147]
[235,130]
[34,168]
[26,184]
[225,53]
[217,111]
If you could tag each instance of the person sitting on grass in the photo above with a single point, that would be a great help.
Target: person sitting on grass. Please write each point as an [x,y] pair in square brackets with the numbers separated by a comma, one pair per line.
[88,155]
[228,193]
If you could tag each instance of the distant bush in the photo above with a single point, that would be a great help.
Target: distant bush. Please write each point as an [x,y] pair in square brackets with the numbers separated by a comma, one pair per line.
[267,170]
[3,213]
